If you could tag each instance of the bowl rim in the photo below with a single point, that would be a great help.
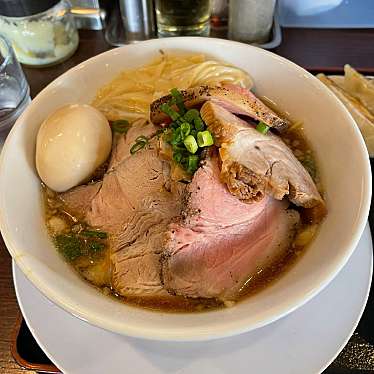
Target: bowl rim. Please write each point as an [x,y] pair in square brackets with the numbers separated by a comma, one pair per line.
[225,332]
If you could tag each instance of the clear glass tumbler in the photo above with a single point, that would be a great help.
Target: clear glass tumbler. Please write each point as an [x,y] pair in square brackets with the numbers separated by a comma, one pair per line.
[14,89]
[183,17]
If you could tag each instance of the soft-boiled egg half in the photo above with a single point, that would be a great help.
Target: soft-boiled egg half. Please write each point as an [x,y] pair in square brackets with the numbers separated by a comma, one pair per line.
[71,143]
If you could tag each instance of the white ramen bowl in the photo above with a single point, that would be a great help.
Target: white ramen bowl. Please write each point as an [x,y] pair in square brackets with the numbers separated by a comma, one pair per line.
[336,140]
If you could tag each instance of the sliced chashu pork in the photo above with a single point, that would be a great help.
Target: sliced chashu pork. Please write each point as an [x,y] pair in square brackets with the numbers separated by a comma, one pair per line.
[234,98]
[137,249]
[111,202]
[254,164]
[221,242]
[78,200]
[134,203]
[123,144]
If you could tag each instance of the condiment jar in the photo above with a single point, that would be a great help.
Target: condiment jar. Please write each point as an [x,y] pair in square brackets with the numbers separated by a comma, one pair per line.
[44,37]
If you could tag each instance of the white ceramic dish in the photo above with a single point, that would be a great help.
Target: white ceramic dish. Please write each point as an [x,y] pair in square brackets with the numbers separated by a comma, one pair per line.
[305,342]
[343,163]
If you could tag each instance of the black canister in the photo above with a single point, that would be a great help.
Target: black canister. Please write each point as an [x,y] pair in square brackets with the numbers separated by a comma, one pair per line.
[24,8]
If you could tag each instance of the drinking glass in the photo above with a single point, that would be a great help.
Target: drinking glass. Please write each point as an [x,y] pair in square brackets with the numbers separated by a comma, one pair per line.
[14,90]
[250,21]
[183,17]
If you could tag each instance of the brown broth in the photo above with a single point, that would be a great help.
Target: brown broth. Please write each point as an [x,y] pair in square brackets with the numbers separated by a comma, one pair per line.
[96,268]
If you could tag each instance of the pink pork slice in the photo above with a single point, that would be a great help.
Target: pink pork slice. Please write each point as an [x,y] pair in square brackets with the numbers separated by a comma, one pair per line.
[221,242]
[233,98]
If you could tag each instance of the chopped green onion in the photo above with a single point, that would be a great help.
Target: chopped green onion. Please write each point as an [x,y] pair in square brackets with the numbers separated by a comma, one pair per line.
[141,138]
[177,157]
[191,115]
[177,136]
[179,147]
[137,147]
[140,142]
[192,164]
[185,129]
[180,120]
[262,127]
[199,124]
[190,143]
[177,96]
[169,111]
[121,126]
[184,162]
[95,246]
[94,234]
[186,132]
[70,246]
[204,138]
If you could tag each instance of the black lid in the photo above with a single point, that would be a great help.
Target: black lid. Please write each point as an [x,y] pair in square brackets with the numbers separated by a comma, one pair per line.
[23,8]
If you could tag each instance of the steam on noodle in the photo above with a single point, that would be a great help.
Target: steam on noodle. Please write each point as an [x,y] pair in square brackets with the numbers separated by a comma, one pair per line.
[129,95]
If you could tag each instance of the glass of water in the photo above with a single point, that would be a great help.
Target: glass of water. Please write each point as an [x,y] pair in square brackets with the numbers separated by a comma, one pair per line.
[183,17]
[14,90]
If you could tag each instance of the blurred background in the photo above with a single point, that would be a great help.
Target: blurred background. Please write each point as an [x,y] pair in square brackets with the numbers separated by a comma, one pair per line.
[44,32]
